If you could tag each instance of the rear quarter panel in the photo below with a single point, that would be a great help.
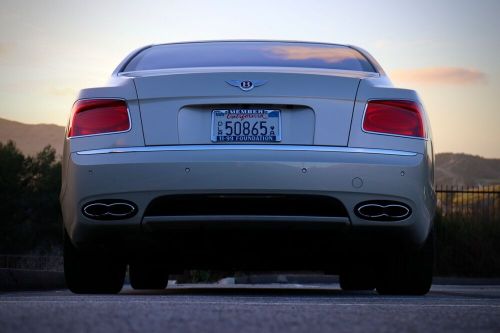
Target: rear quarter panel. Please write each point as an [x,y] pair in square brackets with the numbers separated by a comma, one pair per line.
[381,88]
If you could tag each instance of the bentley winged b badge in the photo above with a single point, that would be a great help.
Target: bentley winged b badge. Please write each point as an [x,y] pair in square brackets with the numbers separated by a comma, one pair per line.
[246,85]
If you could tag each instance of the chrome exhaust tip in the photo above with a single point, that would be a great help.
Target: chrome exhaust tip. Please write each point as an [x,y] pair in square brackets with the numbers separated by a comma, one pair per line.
[382,210]
[109,209]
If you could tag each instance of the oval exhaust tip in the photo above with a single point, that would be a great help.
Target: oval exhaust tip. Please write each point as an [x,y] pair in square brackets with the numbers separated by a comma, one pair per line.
[382,210]
[109,209]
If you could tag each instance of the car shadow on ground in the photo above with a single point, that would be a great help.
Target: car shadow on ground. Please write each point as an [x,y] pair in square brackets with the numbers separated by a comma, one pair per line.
[216,290]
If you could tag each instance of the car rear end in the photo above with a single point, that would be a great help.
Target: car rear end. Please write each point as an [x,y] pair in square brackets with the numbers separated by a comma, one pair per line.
[248,156]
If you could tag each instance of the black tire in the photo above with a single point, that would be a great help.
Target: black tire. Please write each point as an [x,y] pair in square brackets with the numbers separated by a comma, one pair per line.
[91,274]
[356,280]
[148,276]
[407,272]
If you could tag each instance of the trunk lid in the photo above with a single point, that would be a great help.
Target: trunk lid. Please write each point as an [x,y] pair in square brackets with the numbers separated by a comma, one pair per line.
[315,107]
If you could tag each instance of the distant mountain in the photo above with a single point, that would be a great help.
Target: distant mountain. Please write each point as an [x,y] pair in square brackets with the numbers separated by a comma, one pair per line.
[468,170]
[31,139]
[451,168]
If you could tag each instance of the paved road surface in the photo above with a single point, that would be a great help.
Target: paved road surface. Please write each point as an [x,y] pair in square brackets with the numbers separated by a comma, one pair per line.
[252,308]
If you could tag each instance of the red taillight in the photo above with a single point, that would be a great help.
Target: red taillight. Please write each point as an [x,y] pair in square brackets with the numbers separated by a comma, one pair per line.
[394,117]
[98,116]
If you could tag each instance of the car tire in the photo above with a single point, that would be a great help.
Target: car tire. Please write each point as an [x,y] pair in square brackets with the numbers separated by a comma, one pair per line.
[91,274]
[407,272]
[148,276]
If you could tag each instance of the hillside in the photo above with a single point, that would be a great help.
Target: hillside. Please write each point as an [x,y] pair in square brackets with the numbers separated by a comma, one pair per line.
[451,168]
[464,169]
[31,139]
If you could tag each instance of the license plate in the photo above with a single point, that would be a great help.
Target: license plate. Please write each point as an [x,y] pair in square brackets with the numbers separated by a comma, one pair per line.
[243,125]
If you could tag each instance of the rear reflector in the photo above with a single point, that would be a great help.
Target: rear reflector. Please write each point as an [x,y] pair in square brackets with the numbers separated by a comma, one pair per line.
[98,116]
[394,117]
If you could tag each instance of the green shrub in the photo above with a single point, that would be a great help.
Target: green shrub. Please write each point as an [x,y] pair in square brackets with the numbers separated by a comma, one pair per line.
[467,247]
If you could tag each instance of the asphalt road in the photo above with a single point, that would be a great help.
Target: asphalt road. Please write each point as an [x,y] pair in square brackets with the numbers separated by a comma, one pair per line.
[253,308]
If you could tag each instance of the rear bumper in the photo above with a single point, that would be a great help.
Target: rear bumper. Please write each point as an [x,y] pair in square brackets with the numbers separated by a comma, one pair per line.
[144,173]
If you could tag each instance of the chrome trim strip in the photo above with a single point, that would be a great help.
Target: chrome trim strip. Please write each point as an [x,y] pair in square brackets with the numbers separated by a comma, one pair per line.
[271,147]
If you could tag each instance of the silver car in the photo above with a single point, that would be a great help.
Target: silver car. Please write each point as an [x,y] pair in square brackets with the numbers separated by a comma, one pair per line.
[248,156]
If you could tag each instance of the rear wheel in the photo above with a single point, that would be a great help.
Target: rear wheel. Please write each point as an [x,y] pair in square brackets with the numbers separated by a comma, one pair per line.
[91,274]
[407,272]
[148,276]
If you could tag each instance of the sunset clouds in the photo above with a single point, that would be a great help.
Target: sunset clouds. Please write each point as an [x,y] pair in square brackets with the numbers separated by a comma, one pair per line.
[440,75]
[326,54]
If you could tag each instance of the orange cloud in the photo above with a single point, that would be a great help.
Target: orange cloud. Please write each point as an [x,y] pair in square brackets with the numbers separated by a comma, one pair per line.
[326,54]
[440,75]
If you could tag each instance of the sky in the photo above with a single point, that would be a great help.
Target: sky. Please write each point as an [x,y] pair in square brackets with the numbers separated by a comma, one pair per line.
[446,50]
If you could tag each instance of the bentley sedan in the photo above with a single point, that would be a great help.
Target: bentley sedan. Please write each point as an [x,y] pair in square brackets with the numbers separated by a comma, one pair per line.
[248,156]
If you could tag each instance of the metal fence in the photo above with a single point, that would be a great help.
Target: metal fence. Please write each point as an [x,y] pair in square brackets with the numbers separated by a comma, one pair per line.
[469,202]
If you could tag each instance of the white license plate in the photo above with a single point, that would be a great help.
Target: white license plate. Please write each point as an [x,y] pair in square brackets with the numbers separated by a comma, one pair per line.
[244,125]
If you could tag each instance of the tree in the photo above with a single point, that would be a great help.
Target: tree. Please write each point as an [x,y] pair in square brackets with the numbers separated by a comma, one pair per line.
[29,209]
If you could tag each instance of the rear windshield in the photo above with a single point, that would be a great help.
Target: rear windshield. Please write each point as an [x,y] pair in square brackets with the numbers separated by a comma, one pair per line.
[269,54]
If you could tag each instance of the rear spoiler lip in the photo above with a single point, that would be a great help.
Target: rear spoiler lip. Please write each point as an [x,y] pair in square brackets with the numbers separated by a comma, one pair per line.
[375,64]
[128,58]
[250,69]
